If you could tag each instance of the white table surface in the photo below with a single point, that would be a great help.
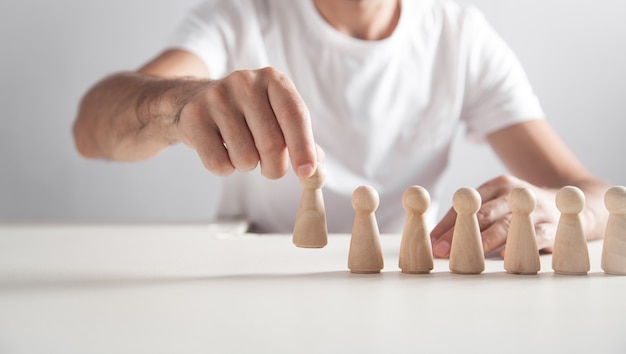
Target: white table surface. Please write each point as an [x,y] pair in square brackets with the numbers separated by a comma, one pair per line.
[201,289]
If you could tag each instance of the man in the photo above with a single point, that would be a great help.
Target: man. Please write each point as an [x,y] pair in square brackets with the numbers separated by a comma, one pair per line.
[373,88]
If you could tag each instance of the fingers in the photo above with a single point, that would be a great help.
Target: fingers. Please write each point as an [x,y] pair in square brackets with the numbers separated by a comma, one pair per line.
[545,231]
[238,140]
[267,137]
[278,121]
[493,195]
[499,187]
[494,218]
[441,235]
[495,235]
[204,137]
[251,117]
[295,122]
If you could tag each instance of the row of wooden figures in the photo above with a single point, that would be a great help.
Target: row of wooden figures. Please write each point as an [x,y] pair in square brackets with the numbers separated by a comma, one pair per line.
[570,252]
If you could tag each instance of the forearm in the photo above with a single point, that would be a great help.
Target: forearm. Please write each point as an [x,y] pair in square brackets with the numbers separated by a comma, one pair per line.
[130,116]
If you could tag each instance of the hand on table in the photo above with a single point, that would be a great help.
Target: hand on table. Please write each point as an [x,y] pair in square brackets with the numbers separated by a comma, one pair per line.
[250,117]
[494,217]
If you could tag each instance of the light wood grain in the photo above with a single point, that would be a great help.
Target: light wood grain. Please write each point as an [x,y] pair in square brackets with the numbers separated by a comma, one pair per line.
[614,249]
[310,229]
[466,251]
[521,255]
[365,254]
[570,254]
[416,255]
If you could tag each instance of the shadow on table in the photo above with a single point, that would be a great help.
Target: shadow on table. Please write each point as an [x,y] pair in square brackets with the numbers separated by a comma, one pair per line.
[50,282]
[32,283]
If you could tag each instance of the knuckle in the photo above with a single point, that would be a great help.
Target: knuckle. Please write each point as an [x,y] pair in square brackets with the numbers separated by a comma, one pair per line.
[506,180]
[297,112]
[242,79]
[506,222]
[245,88]
[218,165]
[485,213]
[271,146]
[274,168]
[273,74]
[218,102]
[497,234]
[293,107]
[273,173]
[247,161]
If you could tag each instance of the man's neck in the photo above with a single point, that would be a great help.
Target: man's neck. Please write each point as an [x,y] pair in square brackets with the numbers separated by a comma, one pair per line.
[363,19]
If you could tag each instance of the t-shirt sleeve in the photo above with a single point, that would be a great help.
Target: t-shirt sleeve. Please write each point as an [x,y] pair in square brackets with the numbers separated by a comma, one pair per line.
[497,91]
[204,33]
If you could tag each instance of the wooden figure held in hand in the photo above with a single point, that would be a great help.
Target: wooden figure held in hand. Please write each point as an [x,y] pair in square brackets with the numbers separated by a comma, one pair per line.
[310,230]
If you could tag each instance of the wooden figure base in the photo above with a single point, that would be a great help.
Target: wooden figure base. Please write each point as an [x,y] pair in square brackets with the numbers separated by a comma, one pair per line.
[560,272]
[361,271]
[310,230]
[466,273]
[416,272]
[523,273]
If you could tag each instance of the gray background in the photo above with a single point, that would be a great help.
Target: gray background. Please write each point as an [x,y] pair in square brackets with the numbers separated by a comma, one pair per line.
[52,51]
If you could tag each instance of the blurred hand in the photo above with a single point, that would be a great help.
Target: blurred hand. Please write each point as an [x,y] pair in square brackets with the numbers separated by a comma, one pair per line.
[494,217]
[247,118]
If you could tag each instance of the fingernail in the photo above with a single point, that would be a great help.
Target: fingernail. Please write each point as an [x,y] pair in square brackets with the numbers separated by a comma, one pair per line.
[305,170]
[441,248]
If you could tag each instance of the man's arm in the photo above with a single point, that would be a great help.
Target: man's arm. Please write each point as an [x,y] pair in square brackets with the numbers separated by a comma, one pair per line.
[246,118]
[540,160]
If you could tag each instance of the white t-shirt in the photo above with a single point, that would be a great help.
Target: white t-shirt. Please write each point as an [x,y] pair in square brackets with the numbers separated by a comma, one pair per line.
[385,112]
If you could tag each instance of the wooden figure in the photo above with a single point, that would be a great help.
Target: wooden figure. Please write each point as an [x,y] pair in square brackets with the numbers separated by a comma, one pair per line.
[365,254]
[614,248]
[521,255]
[570,254]
[466,251]
[416,255]
[310,230]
